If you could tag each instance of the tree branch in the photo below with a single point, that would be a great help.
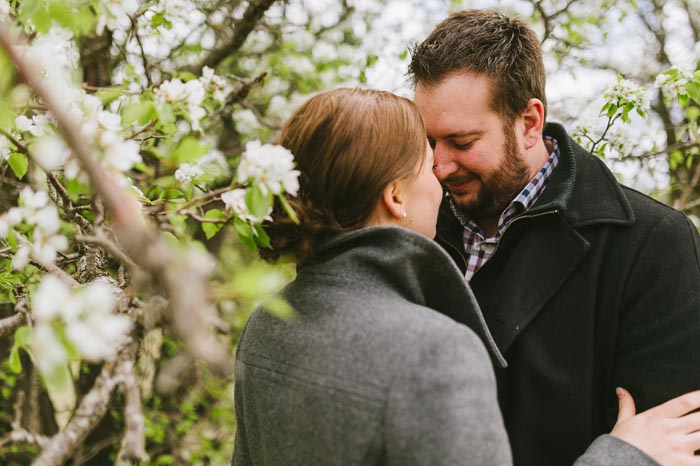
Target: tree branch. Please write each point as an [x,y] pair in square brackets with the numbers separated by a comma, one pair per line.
[242,29]
[99,239]
[184,277]
[90,411]
[9,324]
[133,444]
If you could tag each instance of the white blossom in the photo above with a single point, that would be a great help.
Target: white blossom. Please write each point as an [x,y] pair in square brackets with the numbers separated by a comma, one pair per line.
[21,257]
[45,246]
[235,200]
[85,315]
[39,125]
[51,152]
[245,121]
[47,348]
[50,299]
[188,172]
[33,200]
[35,211]
[215,84]
[53,57]
[213,163]
[22,123]
[5,150]
[626,90]
[674,82]
[270,167]
[119,154]
[115,14]
[192,93]
[14,216]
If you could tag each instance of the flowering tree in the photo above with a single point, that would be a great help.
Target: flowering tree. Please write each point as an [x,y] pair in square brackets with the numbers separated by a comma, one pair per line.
[628,81]
[137,169]
[134,142]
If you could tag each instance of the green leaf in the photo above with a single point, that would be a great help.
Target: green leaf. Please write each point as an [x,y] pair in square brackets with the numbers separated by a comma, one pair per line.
[612,110]
[261,237]
[7,73]
[693,89]
[258,280]
[166,117]
[189,150]
[22,336]
[74,15]
[14,362]
[288,208]
[210,229]
[259,204]
[108,95]
[279,307]
[138,112]
[692,113]
[159,19]
[245,234]
[18,163]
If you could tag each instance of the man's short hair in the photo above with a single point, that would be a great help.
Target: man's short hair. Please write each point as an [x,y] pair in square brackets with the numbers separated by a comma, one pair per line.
[484,42]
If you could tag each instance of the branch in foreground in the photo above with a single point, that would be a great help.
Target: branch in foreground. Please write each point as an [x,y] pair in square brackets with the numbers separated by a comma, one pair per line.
[9,324]
[92,408]
[133,445]
[186,285]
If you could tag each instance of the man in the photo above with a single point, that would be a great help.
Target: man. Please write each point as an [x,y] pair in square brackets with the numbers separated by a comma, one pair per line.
[586,285]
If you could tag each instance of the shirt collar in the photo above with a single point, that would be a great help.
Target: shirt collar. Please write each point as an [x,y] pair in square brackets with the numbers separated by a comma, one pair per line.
[524,200]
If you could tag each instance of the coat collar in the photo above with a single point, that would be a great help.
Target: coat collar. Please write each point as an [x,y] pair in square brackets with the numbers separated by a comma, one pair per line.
[409,264]
[582,187]
[581,192]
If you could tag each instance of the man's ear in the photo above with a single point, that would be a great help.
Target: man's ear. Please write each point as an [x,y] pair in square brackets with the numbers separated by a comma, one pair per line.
[533,122]
[393,200]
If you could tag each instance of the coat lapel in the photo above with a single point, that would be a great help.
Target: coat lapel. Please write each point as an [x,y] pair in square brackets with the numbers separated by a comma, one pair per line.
[539,259]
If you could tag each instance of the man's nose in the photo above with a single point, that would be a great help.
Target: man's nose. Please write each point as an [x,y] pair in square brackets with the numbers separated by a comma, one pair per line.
[444,164]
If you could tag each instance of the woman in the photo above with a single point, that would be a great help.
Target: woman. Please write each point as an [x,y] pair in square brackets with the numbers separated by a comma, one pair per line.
[368,373]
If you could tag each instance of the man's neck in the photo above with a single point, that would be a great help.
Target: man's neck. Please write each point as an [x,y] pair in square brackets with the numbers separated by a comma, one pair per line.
[489,225]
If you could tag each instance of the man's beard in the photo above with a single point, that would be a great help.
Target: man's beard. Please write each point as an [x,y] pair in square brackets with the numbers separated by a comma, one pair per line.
[501,187]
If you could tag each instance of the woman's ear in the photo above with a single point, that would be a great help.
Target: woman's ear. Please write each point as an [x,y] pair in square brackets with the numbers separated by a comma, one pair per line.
[393,200]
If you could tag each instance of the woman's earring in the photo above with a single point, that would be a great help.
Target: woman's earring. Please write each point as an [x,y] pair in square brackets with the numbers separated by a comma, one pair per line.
[404,214]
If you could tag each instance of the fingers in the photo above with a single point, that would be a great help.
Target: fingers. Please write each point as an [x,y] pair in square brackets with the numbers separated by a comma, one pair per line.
[681,405]
[689,423]
[626,407]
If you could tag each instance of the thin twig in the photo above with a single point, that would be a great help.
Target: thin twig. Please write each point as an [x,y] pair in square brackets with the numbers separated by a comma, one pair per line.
[203,198]
[146,65]
[242,29]
[201,219]
[99,239]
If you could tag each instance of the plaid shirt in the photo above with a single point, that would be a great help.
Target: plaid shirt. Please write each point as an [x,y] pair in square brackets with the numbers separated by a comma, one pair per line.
[478,247]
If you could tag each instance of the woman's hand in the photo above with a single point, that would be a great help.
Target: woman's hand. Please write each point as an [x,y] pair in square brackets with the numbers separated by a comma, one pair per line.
[669,433]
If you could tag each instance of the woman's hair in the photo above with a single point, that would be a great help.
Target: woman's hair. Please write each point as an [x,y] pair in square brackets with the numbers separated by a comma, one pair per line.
[349,144]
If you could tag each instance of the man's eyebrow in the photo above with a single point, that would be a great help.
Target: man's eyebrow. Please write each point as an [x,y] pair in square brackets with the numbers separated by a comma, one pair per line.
[462,134]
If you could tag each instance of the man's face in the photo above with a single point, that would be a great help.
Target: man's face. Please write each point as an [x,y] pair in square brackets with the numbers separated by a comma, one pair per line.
[477,156]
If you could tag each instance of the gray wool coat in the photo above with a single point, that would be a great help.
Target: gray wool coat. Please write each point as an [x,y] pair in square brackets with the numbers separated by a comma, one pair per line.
[367,373]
